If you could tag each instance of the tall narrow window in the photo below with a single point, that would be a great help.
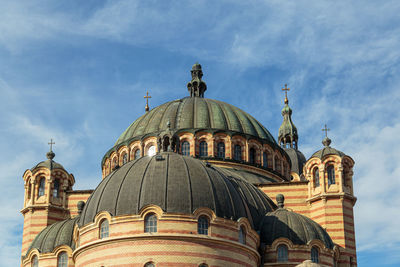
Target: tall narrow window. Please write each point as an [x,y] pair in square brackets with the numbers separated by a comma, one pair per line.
[41,187]
[203,265]
[265,159]
[314,255]
[237,152]
[104,229]
[351,261]
[345,178]
[125,158]
[186,148]
[221,150]
[316,177]
[150,223]
[277,164]
[202,225]
[35,261]
[203,149]
[252,155]
[56,188]
[62,260]
[331,174]
[149,264]
[242,235]
[137,153]
[282,253]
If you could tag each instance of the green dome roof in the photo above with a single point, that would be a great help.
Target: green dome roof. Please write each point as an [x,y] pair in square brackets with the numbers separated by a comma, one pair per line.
[195,113]
[327,150]
[57,234]
[178,184]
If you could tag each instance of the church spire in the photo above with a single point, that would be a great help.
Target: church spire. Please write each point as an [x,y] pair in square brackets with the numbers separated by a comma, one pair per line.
[287,132]
[196,86]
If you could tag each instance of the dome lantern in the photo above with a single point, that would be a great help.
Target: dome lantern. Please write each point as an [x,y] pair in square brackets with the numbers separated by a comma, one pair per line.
[196,86]
[288,136]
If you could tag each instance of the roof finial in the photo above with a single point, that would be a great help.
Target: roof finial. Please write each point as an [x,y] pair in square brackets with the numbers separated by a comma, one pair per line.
[147,101]
[51,154]
[196,86]
[286,90]
[280,199]
[326,141]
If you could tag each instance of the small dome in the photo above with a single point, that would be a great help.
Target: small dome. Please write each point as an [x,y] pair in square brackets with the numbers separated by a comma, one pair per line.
[177,184]
[196,66]
[327,150]
[297,158]
[49,164]
[297,228]
[57,234]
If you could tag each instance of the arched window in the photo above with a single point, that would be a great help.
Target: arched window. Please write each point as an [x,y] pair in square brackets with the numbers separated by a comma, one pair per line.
[331,174]
[149,264]
[345,183]
[265,159]
[186,148]
[203,265]
[252,155]
[35,261]
[151,151]
[203,149]
[137,154]
[314,255]
[41,187]
[316,177]
[282,253]
[104,229]
[237,150]
[150,223]
[221,150]
[62,260]
[351,261]
[202,225]
[277,164]
[242,235]
[56,189]
[125,158]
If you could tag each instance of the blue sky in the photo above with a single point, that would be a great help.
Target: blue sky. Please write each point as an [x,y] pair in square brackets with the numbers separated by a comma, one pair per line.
[77,71]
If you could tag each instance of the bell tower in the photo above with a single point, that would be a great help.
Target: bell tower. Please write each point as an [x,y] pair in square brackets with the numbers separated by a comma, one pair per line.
[331,198]
[45,200]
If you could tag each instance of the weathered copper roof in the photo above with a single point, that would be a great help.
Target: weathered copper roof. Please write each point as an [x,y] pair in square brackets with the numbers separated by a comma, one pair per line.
[49,164]
[196,113]
[297,228]
[327,150]
[297,158]
[178,184]
[57,234]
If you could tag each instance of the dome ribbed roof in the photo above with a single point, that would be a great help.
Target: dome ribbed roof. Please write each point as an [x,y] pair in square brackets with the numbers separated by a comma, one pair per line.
[57,234]
[49,164]
[196,113]
[297,228]
[327,150]
[177,184]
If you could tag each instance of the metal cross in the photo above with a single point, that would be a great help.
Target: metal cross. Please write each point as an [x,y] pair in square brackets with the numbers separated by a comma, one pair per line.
[326,131]
[51,143]
[285,89]
[147,101]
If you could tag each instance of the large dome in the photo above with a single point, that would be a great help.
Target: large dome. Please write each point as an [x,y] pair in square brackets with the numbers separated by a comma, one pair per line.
[195,113]
[177,184]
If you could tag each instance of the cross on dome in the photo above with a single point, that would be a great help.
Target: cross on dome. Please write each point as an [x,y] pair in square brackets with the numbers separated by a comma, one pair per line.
[50,155]
[286,89]
[326,130]
[147,108]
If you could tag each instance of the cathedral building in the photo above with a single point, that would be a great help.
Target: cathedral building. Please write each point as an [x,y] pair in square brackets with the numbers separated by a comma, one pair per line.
[196,182]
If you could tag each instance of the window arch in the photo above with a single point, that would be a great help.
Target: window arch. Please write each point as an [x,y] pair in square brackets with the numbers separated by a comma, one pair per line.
[202,225]
[151,151]
[150,223]
[137,154]
[265,159]
[62,259]
[314,255]
[203,149]
[316,177]
[41,187]
[242,235]
[56,188]
[125,158]
[186,148]
[331,174]
[104,229]
[277,164]
[203,265]
[221,150]
[237,152]
[149,264]
[282,253]
[35,261]
[252,156]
